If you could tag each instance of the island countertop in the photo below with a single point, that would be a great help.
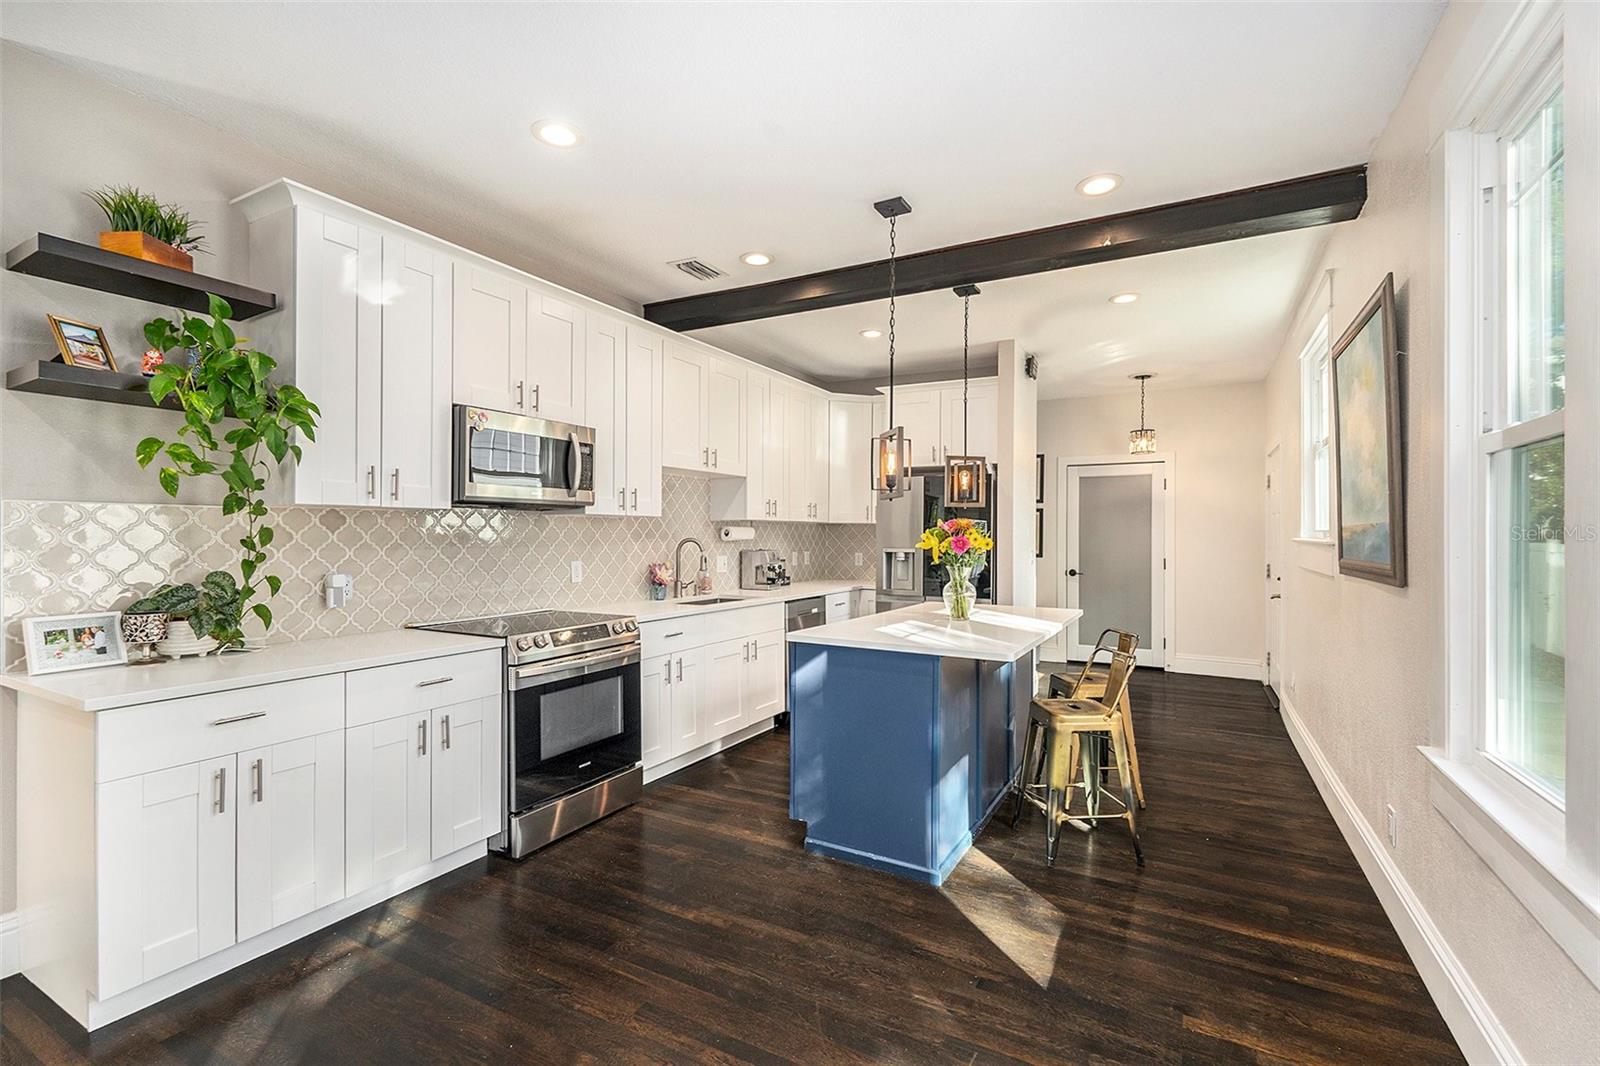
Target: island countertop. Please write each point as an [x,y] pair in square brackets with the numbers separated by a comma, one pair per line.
[995,633]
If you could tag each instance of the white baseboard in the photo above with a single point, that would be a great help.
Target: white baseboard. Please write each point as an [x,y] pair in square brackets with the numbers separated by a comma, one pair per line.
[1471,1020]
[1216,666]
[689,758]
[10,943]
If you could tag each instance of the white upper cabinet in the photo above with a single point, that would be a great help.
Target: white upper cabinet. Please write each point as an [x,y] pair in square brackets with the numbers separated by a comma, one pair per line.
[774,460]
[644,421]
[920,414]
[491,330]
[416,375]
[726,412]
[683,399]
[338,357]
[980,412]
[753,497]
[932,417]
[555,358]
[818,474]
[606,411]
[796,501]
[290,830]
[850,432]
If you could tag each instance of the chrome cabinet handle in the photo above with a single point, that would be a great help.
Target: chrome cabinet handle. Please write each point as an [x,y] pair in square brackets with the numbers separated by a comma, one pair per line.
[622,499]
[444,733]
[536,397]
[519,394]
[240,718]
[668,672]
[713,457]
[635,499]
[747,651]
[256,777]
[574,460]
[680,668]
[705,456]
[669,636]
[422,737]
[434,681]
[372,482]
[755,650]
[221,803]
[394,485]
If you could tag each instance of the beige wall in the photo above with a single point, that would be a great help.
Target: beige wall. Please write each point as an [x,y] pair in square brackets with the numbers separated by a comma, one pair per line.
[1364,663]
[1215,437]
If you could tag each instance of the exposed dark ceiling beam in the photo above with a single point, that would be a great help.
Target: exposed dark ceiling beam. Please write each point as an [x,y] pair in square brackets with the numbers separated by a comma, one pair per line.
[1315,200]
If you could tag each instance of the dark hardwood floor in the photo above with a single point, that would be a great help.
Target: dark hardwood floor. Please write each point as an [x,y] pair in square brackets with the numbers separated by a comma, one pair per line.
[693,928]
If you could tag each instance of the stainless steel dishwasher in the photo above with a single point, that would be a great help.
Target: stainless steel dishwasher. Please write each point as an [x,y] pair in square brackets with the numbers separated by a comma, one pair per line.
[798,614]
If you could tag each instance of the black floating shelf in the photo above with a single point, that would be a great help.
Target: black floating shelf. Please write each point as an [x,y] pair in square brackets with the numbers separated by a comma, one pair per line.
[83,383]
[75,263]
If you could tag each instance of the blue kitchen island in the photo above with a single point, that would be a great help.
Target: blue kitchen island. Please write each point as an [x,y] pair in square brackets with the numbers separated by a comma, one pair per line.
[905,730]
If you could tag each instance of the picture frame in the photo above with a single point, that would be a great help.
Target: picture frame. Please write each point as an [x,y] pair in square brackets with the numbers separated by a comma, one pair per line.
[1038,479]
[82,344]
[1369,445]
[1038,533]
[61,642]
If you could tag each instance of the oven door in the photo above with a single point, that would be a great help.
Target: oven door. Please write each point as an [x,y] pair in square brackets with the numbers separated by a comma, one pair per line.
[572,723]
[508,460]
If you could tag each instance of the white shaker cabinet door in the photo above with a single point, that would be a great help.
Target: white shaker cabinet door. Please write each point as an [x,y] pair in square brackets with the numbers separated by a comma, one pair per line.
[722,700]
[797,428]
[291,830]
[979,435]
[726,411]
[490,329]
[338,361]
[466,773]
[644,419]
[774,455]
[387,800]
[764,683]
[165,869]
[850,433]
[683,400]
[555,358]
[920,415]
[606,412]
[688,692]
[416,376]
[655,708]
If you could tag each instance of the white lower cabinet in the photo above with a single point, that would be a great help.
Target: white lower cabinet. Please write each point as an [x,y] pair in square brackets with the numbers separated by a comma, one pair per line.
[705,677]
[388,799]
[466,773]
[290,830]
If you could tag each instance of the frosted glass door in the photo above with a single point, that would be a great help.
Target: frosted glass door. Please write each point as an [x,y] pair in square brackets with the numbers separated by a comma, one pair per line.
[1115,555]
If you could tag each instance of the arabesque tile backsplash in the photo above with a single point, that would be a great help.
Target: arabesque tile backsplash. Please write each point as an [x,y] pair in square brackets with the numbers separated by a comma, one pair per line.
[63,558]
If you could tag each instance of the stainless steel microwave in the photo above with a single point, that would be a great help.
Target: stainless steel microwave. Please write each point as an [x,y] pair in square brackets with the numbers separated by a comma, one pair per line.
[509,460]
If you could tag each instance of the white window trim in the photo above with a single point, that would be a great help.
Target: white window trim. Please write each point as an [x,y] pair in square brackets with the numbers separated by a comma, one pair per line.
[1547,857]
[1317,348]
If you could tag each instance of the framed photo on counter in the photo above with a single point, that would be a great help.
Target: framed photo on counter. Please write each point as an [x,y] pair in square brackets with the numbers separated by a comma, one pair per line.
[62,642]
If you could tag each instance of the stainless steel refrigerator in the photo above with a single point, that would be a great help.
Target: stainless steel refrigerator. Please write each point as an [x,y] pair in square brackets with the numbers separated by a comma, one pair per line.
[906,573]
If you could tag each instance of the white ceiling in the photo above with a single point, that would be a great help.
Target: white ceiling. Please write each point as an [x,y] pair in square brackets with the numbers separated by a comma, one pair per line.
[712,130]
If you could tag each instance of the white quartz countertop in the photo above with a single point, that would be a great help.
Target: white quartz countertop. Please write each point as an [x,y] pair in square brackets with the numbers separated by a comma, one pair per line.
[996,633]
[107,687]
[658,610]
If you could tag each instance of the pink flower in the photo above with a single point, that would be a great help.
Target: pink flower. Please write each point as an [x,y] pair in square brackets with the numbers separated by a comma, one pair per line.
[949,525]
[959,544]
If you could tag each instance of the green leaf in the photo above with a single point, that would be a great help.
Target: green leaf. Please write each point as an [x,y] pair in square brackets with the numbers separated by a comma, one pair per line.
[264,536]
[220,308]
[182,453]
[263,612]
[247,567]
[161,387]
[295,449]
[274,583]
[277,443]
[169,480]
[147,450]
[232,503]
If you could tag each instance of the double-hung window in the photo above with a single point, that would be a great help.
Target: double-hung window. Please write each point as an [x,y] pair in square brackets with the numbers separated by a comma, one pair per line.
[1315,422]
[1517,760]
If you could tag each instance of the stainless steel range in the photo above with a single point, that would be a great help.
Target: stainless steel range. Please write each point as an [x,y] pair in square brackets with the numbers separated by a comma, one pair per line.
[572,724]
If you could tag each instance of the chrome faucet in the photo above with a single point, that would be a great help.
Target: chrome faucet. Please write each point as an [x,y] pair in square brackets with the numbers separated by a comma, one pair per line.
[681,586]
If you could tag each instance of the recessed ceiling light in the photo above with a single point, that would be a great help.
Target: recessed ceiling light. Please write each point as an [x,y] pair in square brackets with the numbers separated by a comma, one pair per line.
[557,134]
[755,259]
[872,334]
[1099,184]
[1124,297]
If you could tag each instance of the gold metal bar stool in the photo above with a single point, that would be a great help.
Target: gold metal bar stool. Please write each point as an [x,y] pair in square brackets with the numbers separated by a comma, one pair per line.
[1091,685]
[1057,758]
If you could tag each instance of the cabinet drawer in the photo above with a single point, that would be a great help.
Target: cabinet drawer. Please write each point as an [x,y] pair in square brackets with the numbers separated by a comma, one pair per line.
[406,688]
[153,736]
[670,635]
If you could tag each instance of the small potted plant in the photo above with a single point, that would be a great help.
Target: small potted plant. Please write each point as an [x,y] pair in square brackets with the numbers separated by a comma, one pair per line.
[660,575]
[190,620]
[962,546]
[145,228]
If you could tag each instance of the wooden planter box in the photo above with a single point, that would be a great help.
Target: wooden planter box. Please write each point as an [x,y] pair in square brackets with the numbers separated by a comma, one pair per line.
[143,246]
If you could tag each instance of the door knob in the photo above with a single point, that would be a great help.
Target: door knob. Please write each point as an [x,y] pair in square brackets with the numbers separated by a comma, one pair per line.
[1074,573]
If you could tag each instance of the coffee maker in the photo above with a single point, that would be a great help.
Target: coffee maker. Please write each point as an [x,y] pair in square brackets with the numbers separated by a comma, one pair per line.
[762,568]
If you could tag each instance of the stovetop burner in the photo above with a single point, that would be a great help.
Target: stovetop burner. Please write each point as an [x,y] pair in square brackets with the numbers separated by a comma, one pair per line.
[513,625]
[535,635]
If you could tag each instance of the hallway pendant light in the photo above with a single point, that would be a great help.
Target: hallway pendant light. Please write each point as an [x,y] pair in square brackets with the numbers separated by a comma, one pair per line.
[1141,441]
[891,452]
[965,476]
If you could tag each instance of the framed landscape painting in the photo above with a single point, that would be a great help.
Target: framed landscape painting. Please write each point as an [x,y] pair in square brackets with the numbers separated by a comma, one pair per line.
[1368,444]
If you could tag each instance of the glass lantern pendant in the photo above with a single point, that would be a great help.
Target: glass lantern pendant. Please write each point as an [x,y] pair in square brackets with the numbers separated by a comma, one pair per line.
[1141,441]
[966,481]
[891,451]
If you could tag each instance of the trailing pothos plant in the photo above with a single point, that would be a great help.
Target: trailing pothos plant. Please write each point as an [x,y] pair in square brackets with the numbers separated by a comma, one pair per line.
[227,382]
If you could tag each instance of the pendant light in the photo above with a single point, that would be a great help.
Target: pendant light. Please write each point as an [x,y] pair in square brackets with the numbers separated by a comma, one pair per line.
[965,476]
[1141,441]
[891,452]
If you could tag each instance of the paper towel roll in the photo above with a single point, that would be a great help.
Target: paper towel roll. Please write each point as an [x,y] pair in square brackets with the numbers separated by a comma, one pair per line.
[738,533]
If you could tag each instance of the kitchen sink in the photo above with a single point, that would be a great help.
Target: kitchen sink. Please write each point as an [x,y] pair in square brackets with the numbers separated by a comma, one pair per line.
[714,599]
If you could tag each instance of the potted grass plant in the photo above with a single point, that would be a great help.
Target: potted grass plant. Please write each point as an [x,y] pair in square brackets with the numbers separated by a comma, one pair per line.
[143,227]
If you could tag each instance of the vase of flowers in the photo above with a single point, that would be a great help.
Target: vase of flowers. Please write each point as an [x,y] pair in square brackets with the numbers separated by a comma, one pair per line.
[962,547]
[660,575]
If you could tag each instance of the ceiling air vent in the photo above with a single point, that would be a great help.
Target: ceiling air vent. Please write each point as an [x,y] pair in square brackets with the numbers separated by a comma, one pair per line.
[698,270]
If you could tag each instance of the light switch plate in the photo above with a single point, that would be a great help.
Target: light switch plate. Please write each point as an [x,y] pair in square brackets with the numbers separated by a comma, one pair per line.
[577,571]
[722,562]
[860,559]
[808,558]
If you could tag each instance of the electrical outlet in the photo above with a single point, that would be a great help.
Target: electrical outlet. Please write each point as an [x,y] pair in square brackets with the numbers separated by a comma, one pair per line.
[577,571]
[861,560]
[807,559]
[1391,822]
[722,562]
